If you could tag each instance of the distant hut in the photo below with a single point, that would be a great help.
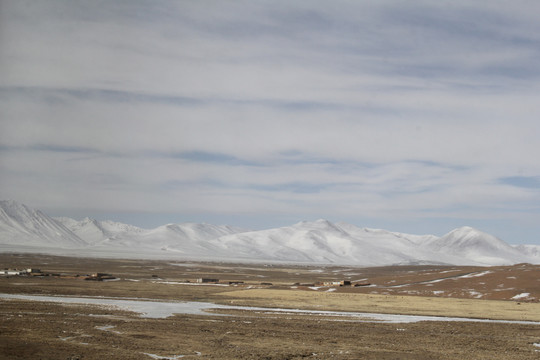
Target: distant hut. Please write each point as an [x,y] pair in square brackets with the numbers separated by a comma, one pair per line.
[100,277]
[207,281]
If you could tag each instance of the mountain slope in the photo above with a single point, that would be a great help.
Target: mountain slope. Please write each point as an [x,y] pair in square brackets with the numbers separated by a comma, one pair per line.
[529,250]
[297,243]
[323,242]
[472,244]
[187,238]
[21,225]
[190,239]
[95,232]
[409,247]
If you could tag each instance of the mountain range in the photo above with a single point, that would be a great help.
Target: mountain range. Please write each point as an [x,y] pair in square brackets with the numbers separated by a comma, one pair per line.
[23,229]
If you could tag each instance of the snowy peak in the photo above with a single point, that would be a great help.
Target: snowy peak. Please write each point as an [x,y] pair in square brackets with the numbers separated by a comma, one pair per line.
[117,227]
[188,239]
[320,225]
[194,231]
[470,243]
[468,237]
[22,225]
[15,210]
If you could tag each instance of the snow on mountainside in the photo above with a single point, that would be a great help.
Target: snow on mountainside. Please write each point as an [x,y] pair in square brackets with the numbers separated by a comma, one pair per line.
[25,229]
[320,243]
[409,247]
[324,242]
[20,225]
[530,250]
[469,243]
[188,238]
[94,231]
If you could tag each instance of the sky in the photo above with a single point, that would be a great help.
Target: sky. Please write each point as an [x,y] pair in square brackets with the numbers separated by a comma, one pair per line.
[412,116]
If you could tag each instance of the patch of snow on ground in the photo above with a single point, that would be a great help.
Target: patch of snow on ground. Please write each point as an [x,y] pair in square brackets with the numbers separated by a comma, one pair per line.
[108,328]
[181,264]
[187,283]
[473,275]
[434,281]
[475,294]
[507,289]
[521,296]
[172,357]
[466,276]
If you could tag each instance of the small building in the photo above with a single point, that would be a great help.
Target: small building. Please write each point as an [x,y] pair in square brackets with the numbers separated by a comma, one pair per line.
[34,272]
[13,272]
[207,281]
[337,283]
[100,277]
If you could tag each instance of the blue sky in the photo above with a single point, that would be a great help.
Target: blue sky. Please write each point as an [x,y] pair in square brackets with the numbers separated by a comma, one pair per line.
[413,116]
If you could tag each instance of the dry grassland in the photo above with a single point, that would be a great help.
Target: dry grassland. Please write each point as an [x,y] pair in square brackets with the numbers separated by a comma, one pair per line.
[41,330]
[387,304]
[35,330]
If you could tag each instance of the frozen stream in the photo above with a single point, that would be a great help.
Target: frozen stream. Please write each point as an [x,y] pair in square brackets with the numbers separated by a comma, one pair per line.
[163,309]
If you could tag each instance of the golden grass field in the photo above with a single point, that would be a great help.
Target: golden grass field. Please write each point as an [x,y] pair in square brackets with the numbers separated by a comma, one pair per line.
[388,304]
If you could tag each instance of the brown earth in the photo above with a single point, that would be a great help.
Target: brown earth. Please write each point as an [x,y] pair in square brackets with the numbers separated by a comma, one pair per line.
[40,330]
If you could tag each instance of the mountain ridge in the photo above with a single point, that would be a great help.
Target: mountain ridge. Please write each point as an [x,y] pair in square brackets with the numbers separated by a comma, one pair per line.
[25,224]
[314,242]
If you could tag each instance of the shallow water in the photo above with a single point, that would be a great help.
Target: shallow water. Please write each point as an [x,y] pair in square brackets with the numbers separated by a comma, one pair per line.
[163,309]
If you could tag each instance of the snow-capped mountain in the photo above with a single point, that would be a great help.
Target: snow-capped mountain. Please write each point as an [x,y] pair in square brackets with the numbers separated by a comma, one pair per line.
[323,242]
[21,225]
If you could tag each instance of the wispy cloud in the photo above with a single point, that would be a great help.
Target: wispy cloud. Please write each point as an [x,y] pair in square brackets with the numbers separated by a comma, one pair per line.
[530,182]
[388,112]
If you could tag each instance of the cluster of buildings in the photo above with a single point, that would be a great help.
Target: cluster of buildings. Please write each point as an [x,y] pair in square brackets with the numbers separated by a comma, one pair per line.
[103,277]
[38,272]
[326,283]
[17,272]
